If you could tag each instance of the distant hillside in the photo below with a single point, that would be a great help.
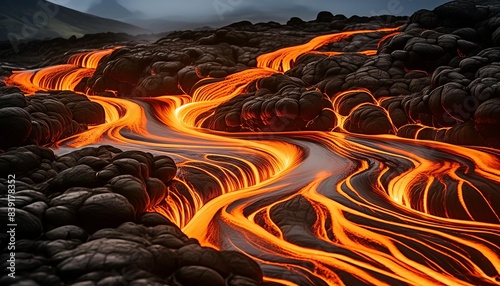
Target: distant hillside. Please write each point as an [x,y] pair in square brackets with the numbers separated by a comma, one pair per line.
[24,20]
[110,9]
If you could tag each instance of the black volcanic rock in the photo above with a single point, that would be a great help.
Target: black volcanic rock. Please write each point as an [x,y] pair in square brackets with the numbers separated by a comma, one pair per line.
[437,70]
[435,79]
[369,119]
[349,101]
[15,126]
[324,16]
[44,118]
[42,53]
[277,103]
[78,226]
[86,216]
[487,120]
[173,64]
[295,21]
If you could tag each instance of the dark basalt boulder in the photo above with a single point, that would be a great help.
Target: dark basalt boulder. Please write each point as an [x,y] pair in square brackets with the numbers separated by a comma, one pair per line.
[487,121]
[295,21]
[15,126]
[83,219]
[347,102]
[369,119]
[324,16]
[44,117]
[278,103]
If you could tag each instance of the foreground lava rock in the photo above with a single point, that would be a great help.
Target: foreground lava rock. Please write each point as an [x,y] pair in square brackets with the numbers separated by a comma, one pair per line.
[83,219]
[44,117]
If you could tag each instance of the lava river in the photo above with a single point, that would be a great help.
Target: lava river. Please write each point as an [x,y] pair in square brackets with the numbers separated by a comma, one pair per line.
[312,208]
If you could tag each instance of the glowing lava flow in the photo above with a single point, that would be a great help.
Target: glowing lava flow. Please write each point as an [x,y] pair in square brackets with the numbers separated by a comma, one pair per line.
[356,210]
[222,166]
[59,77]
[89,60]
[283,59]
[317,208]
[209,96]
[337,218]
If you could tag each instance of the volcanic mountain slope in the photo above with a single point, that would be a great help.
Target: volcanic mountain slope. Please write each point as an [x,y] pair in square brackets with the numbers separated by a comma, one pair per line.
[26,20]
[109,9]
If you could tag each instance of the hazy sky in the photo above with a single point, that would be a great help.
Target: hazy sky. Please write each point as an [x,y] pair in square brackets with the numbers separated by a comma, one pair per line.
[222,12]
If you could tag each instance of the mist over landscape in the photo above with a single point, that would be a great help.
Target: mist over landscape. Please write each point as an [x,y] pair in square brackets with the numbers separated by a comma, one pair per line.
[158,15]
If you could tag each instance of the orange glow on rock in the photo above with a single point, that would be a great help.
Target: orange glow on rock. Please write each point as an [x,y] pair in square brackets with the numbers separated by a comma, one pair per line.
[59,77]
[310,207]
[283,59]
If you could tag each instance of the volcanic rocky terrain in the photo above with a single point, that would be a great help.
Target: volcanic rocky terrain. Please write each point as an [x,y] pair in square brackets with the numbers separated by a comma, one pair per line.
[92,216]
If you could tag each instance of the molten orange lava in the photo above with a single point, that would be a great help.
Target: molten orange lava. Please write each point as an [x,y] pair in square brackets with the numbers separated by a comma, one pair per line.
[59,77]
[312,208]
[283,59]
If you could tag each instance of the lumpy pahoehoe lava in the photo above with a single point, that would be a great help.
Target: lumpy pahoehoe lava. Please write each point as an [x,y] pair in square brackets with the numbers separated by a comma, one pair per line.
[331,152]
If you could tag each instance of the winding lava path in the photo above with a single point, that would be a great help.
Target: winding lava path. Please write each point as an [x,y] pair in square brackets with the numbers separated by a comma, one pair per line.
[312,208]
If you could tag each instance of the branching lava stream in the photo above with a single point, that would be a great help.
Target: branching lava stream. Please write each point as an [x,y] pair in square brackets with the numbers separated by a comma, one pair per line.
[312,208]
